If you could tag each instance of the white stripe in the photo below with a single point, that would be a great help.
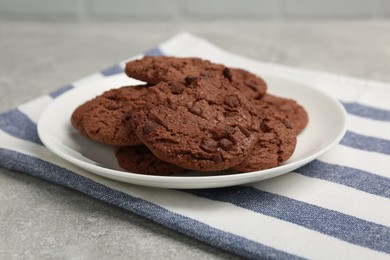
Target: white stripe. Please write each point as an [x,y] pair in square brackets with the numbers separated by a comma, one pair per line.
[370,127]
[372,162]
[263,229]
[329,195]
[34,108]
[379,98]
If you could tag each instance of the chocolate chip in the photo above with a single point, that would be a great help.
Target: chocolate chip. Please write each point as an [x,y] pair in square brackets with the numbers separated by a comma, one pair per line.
[226,144]
[195,110]
[245,131]
[149,127]
[288,125]
[217,158]
[110,95]
[177,88]
[251,84]
[127,117]
[232,101]
[209,145]
[275,141]
[227,73]
[265,128]
[229,132]
[258,96]
[218,134]
[190,79]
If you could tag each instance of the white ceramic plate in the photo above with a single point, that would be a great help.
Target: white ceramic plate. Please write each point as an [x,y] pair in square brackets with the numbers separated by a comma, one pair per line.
[326,127]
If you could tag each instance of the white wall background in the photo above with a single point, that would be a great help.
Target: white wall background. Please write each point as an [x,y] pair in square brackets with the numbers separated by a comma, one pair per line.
[84,10]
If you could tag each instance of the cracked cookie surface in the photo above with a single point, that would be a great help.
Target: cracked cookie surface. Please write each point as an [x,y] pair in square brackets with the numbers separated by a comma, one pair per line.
[204,124]
[166,68]
[105,118]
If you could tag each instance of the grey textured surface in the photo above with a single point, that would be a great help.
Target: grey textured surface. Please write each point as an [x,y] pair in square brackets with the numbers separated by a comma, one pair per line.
[192,9]
[334,8]
[39,219]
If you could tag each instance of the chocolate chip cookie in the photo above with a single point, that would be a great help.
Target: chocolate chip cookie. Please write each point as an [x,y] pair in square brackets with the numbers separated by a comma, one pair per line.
[105,118]
[166,68]
[139,159]
[204,124]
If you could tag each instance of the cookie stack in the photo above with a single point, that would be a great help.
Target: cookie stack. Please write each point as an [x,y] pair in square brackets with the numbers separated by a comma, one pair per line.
[192,114]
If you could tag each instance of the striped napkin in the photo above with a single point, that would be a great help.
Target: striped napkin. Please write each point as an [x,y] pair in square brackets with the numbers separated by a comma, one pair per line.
[337,206]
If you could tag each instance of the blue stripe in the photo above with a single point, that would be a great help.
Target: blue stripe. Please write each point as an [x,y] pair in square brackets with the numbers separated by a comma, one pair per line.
[60,91]
[116,69]
[235,244]
[17,124]
[351,177]
[366,143]
[329,222]
[154,52]
[367,111]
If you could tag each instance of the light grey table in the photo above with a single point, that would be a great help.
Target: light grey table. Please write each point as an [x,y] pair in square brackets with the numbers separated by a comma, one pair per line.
[39,219]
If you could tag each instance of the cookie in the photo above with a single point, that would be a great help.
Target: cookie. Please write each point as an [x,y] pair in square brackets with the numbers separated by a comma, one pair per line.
[105,118]
[139,159]
[204,124]
[276,143]
[289,108]
[166,68]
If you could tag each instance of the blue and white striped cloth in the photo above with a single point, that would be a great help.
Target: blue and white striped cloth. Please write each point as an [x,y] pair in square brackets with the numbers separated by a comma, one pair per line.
[337,206]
